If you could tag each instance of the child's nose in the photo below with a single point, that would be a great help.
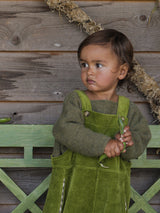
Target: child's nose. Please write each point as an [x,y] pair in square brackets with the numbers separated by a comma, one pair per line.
[90,70]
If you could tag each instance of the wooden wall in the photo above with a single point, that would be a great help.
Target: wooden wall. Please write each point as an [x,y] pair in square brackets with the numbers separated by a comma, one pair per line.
[38,67]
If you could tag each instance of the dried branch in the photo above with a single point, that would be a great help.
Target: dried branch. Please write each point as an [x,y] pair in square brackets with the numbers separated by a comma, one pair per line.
[148,87]
[74,14]
[144,83]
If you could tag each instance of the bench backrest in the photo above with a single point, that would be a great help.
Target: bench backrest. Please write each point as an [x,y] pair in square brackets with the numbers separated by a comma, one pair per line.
[27,137]
[30,136]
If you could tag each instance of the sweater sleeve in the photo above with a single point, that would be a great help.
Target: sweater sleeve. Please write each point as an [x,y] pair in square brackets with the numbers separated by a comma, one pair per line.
[70,131]
[140,133]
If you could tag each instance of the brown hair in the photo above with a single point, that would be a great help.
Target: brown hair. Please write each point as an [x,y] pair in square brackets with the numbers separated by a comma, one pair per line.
[120,44]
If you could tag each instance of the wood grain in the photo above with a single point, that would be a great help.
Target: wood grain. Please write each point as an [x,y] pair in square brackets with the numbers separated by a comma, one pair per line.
[30,25]
[49,77]
[31,113]
[47,113]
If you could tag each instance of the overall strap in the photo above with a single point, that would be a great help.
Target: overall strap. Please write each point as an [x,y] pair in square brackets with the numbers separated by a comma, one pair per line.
[123,106]
[123,103]
[86,104]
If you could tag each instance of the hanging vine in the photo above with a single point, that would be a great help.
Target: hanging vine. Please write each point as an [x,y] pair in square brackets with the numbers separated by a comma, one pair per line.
[144,83]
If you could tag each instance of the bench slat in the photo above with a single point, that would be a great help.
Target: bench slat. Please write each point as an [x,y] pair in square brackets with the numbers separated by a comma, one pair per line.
[30,136]
[26,135]
[10,163]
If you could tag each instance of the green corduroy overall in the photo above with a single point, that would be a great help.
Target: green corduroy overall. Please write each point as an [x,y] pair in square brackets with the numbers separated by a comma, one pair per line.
[81,184]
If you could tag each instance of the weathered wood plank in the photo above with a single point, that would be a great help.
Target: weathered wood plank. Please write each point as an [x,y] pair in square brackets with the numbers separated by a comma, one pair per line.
[38,77]
[93,0]
[37,113]
[29,25]
[26,136]
[7,208]
[49,77]
[40,153]
[47,113]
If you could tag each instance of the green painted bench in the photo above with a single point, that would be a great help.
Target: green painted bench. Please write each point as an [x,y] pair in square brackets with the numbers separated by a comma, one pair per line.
[31,136]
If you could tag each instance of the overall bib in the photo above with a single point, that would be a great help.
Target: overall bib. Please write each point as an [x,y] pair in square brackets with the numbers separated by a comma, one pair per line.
[81,184]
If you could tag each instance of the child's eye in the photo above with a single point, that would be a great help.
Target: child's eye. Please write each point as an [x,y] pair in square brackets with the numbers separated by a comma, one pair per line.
[84,65]
[98,65]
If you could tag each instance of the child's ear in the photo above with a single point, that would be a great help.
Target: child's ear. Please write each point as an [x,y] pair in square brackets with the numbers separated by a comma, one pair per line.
[123,71]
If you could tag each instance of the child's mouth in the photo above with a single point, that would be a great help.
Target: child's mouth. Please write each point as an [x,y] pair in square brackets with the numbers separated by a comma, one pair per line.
[90,81]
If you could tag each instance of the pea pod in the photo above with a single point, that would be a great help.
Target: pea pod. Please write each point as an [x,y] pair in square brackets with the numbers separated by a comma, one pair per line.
[4,120]
[102,157]
[121,126]
[124,144]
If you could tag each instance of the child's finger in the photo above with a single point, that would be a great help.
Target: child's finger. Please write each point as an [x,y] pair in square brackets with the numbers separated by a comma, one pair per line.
[117,151]
[126,128]
[127,133]
[124,151]
[121,145]
[118,136]
[130,143]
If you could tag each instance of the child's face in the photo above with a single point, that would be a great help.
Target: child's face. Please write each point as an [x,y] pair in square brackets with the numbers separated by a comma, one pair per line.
[100,68]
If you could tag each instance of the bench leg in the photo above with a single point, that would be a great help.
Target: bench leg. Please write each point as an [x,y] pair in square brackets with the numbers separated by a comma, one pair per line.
[141,202]
[27,202]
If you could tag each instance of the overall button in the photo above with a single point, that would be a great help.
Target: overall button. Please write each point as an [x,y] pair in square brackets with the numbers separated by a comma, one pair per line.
[86,113]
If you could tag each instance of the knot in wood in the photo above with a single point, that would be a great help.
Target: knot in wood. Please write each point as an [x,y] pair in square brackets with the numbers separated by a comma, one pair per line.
[143,18]
[16,40]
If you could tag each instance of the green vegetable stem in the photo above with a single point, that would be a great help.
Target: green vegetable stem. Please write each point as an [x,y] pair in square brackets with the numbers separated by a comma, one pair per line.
[102,157]
[121,126]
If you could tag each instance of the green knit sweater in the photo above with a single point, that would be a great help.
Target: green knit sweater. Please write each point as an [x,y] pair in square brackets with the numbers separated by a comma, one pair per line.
[70,132]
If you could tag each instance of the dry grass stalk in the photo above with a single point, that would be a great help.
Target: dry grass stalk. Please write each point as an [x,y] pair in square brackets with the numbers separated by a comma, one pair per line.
[144,83]
[74,14]
[148,87]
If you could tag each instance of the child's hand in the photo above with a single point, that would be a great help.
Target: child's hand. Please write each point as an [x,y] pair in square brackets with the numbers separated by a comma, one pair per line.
[126,137]
[113,148]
